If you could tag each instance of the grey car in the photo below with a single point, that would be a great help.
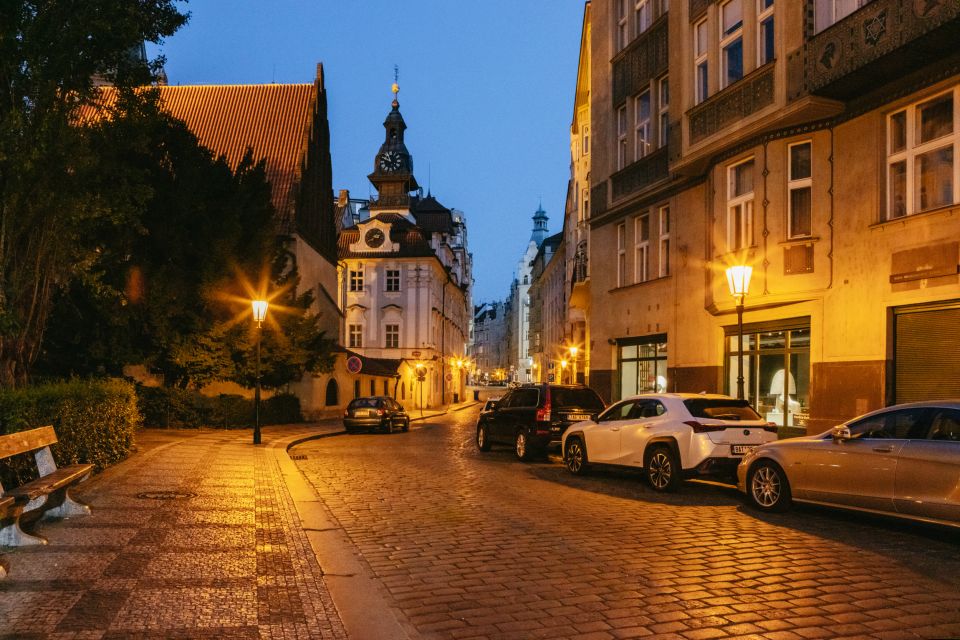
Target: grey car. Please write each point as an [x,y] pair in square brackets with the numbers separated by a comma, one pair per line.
[903,461]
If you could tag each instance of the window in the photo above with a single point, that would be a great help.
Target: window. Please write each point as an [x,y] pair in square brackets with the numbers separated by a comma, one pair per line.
[731,42]
[393,280]
[373,387]
[641,11]
[828,12]
[355,336]
[622,137]
[356,280]
[642,365]
[663,96]
[765,37]
[664,241]
[621,254]
[800,187]
[586,140]
[921,149]
[740,206]
[642,125]
[586,204]
[642,248]
[622,26]
[701,70]
[392,340]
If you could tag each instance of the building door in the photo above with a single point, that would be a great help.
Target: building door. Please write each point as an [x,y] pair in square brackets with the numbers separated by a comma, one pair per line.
[926,353]
[333,393]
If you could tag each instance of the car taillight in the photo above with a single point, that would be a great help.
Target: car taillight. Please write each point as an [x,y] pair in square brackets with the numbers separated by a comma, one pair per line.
[699,427]
[379,412]
[543,415]
[770,426]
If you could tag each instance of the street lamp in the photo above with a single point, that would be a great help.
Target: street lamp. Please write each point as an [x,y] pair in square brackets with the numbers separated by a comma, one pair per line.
[738,279]
[259,313]
[573,357]
[563,367]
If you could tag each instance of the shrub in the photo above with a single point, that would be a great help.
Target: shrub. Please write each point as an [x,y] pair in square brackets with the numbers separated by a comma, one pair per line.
[95,422]
[180,408]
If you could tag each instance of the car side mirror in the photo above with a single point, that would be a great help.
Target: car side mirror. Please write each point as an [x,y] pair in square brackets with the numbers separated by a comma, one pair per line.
[841,433]
[594,417]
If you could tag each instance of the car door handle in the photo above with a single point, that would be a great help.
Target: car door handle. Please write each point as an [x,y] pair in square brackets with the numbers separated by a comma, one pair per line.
[614,428]
[883,449]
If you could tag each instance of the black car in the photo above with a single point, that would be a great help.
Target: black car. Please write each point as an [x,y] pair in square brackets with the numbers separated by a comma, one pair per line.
[375,412]
[533,417]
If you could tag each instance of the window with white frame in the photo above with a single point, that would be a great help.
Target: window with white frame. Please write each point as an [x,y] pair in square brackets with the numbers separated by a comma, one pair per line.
[663,100]
[586,204]
[731,42]
[800,186]
[829,12]
[621,254]
[623,27]
[701,70]
[664,251]
[585,142]
[765,37]
[641,138]
[740,205]
[355,336]
[642,15]
[392,336]
[642,248]
[393,280]
[923,142]
[356,279]
[622,137]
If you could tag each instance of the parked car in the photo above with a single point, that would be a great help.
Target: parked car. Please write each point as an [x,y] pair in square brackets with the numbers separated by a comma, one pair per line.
[669,435]
[903,460]
[533,417]
[375,412]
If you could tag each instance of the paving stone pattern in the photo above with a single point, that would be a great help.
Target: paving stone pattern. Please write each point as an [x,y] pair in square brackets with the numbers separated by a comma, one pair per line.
[196,536]
[474,545]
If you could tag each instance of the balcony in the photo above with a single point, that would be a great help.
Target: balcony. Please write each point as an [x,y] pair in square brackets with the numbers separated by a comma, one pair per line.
[733,104]
[643,60]
[640,175]
[882,41]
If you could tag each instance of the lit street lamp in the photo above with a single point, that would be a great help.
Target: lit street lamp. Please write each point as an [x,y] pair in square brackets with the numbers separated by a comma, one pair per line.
[738,279]
[259,313]
[573,358]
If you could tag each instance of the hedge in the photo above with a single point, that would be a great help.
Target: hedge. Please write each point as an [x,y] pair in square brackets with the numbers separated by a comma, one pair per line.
[95,422]
[182,408]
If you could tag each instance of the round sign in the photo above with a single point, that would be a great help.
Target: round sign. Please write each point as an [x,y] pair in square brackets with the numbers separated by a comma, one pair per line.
[354,364]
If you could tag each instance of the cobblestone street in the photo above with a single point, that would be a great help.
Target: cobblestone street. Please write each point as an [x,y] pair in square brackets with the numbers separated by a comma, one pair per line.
[474,545]
[196,536]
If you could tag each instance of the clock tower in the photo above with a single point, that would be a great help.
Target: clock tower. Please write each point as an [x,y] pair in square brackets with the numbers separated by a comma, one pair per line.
[393,166]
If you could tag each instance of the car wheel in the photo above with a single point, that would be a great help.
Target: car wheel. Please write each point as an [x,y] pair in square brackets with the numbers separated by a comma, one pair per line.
[575,457]
[661,469]
[767,487]
[522,447]
[483,442]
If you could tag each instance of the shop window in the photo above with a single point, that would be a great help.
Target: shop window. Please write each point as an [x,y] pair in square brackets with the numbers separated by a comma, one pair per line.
[642,365]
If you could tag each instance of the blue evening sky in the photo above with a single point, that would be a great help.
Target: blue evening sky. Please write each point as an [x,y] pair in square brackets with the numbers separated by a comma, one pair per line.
[486,89]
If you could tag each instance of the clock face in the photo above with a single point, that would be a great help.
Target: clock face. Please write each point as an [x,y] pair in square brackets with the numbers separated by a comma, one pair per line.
[374,238]
[390,161]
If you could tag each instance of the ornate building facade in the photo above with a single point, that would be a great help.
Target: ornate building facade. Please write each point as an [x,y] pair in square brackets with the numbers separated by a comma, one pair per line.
[816,142]
[518,305]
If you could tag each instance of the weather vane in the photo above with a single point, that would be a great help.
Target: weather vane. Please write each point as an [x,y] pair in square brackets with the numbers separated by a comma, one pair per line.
[396,80]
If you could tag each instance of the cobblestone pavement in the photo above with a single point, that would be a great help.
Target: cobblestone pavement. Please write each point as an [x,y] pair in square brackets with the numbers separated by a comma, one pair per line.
[195,536]
[478,545]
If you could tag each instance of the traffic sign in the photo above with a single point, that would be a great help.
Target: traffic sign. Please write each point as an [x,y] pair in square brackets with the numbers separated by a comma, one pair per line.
[354,364]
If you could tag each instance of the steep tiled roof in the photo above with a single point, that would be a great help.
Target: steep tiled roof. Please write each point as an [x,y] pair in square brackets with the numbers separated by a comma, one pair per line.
[274,120]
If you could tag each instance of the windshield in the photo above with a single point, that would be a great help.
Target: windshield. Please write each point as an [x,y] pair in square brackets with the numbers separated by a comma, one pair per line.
[561,398]
[721,409]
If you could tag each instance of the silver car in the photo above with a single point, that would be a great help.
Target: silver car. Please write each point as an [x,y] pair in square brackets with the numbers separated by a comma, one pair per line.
[903,460]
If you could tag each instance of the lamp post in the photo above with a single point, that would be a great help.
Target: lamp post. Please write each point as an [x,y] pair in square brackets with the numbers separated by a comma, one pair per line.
[573,358]
[563,368]
[259,313]
[738,279]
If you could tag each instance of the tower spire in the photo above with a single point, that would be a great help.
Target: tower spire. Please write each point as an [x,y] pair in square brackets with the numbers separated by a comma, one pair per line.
[396,85]
[540,230]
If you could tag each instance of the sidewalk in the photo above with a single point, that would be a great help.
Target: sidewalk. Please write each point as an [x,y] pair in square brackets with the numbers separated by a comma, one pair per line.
[198,534]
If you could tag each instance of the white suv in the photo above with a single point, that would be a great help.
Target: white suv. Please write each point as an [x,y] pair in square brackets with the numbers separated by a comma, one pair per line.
[670,435]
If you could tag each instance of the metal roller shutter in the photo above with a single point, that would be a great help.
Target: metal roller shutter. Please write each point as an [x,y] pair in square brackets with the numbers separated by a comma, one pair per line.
[927,358]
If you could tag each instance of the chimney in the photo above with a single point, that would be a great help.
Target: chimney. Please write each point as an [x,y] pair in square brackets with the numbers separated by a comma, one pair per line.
[344,198]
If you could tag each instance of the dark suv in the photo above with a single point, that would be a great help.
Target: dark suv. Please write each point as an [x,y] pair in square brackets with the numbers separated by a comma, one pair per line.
[533,417]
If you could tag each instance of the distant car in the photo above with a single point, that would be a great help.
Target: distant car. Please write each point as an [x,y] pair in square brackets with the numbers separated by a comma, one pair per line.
[903,461]
[670,436]
[533,417]
[375,413]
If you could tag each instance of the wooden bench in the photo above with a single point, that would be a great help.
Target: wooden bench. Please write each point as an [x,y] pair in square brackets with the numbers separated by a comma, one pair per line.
[47,495]
[6,506]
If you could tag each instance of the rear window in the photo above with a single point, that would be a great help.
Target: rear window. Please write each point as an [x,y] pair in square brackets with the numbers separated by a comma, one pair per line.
[721,409]
[561,398]
[364,402]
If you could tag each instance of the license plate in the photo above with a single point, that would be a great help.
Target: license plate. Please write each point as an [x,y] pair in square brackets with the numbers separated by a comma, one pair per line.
[742,449]
[578,417]
[361,412]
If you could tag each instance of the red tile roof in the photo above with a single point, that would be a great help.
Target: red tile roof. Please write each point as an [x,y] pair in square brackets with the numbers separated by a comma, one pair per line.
[274,120]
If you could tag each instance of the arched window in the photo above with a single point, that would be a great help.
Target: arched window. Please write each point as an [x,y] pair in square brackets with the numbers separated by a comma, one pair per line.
[333,393]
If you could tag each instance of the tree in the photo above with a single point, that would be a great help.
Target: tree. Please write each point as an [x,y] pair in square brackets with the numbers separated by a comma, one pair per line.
[49,53]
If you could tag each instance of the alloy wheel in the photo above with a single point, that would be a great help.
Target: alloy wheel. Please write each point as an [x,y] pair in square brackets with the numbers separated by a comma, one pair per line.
[660,469]
[575,457]
[766,487]
[522,445]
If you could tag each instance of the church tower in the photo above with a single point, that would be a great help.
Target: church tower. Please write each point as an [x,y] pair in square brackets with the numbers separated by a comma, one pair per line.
[393,166]
[540,231]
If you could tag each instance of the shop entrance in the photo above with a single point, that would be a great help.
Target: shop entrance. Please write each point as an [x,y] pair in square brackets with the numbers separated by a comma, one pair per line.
[926,353]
